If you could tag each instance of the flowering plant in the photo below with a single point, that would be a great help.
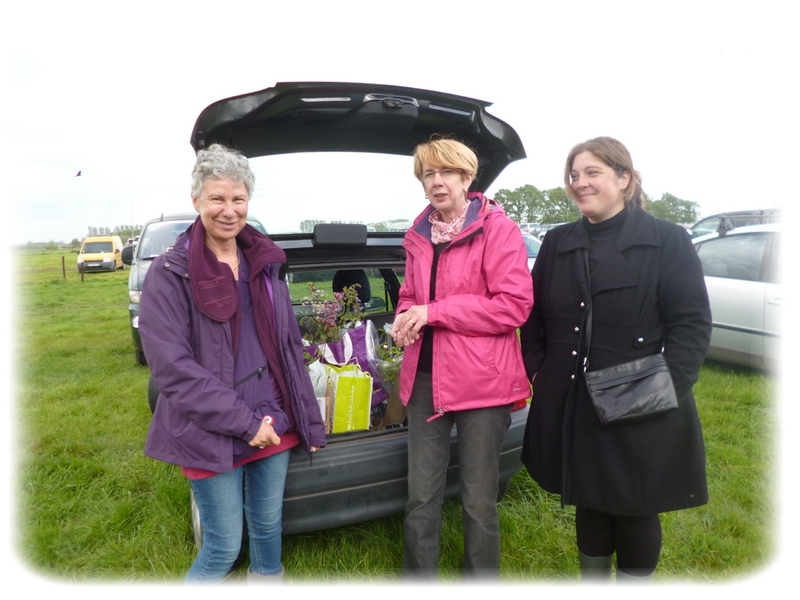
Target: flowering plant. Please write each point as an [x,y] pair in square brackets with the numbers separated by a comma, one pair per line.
[391,357]
[330,318]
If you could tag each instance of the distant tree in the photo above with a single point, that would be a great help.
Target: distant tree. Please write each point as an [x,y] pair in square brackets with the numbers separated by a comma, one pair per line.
[522,205]
[307,226]
[673,209]
[558,208]
[75,243]
[51,245]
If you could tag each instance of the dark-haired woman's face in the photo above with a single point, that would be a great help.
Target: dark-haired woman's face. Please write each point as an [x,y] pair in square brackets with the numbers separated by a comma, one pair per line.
[597,190]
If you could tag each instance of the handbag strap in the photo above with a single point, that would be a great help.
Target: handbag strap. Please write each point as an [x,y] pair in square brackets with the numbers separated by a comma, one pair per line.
[589,314]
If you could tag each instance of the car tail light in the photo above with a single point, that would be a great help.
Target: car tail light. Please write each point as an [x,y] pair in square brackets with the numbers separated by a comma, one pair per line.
[519,405]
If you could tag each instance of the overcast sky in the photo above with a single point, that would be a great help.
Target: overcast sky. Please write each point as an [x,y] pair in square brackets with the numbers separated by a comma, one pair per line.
[703,93]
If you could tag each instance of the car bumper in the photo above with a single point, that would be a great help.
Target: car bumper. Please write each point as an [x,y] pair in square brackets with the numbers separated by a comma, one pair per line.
[362,476]
[133,314]
[89,267]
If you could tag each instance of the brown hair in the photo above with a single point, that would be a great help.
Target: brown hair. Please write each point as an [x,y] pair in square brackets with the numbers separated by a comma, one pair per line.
[443,152]
[614,154]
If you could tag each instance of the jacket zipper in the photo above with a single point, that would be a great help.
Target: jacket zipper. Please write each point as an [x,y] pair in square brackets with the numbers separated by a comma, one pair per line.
[258,372]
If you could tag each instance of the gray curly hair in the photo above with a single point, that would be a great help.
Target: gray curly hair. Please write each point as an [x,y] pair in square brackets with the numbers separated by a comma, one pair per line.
[218,162]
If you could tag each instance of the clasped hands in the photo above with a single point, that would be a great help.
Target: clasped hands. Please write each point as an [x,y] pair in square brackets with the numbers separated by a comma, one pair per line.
[406,327]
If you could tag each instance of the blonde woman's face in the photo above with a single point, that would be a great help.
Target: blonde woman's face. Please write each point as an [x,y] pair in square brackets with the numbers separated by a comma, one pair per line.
[446,189]
[597,190]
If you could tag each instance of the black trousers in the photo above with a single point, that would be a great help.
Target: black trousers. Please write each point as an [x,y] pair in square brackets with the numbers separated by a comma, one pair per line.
[635,540]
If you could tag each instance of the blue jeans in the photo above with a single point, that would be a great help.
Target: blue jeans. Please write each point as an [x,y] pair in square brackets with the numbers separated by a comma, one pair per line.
[480,441]
[254,489]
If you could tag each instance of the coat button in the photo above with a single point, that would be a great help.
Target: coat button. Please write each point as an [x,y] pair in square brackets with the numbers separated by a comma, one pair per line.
[583,305]
[574,353]
[572,376]
[640,340]
[577,329]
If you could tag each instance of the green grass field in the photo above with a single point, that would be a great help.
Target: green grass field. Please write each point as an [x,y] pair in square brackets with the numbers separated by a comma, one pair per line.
[91,507]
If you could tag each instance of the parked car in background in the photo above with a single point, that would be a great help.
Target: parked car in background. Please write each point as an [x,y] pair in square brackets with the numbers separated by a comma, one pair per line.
[344,133]
[532,244]
[733,219]
[100,253]
[742,274]
[544,228]
[528,227]
[158,235]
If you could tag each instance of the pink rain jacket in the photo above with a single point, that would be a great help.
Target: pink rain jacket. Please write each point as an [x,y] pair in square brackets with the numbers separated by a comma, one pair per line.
[484,292]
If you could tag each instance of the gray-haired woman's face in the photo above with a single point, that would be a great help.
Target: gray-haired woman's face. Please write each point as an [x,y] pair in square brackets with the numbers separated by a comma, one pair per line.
[222,205]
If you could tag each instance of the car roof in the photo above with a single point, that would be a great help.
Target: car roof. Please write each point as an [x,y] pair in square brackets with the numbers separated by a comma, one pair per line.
[188,216]
[763,228]
[739,213]
[356,117]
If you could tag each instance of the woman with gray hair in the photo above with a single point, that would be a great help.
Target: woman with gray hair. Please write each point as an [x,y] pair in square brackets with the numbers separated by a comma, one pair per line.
[224,348]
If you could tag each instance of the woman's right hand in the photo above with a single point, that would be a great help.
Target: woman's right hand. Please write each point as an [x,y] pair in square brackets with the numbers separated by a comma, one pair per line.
[266,436]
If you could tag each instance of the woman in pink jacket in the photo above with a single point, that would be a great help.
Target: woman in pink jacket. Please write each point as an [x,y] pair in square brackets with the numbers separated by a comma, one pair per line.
[466,291]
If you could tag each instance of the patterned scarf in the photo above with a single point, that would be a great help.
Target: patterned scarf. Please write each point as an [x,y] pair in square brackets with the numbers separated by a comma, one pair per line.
[445,232]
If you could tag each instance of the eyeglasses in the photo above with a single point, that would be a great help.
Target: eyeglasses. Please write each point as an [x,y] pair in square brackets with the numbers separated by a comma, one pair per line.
[447,174]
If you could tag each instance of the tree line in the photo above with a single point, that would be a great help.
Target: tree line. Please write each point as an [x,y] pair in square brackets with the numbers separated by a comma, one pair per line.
[527,204]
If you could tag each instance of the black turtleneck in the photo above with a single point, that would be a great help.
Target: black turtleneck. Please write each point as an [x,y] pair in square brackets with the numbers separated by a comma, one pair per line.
[603,237]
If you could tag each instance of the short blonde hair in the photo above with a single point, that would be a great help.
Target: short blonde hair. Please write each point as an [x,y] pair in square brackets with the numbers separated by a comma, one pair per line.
[616,156]
[443,152]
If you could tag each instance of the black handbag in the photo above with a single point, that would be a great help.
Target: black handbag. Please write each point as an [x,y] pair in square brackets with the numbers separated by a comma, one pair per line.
[632,390]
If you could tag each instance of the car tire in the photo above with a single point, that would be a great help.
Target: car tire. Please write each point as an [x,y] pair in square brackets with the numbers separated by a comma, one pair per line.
[197,527]
[152,394]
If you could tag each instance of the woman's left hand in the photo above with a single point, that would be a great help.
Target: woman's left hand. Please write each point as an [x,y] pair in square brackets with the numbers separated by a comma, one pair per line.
[406,327]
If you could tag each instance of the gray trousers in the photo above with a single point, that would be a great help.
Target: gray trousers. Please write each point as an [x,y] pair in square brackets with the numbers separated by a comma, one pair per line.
[480,435]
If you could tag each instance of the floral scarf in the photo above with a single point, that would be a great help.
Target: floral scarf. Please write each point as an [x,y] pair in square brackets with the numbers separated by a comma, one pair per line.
[445,232]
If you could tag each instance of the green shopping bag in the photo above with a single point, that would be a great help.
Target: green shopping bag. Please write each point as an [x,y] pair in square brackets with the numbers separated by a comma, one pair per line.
[352,397]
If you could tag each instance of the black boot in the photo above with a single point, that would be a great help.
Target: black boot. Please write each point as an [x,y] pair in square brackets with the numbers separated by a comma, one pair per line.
[624,577]
[595,569]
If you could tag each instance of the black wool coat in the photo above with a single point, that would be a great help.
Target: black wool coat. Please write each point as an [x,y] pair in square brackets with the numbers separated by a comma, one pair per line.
[651,289]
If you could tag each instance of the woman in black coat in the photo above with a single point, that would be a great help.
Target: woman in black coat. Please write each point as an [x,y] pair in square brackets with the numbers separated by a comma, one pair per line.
[647,288]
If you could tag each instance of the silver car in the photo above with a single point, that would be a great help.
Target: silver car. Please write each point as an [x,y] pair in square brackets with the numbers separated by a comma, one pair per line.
[742,274]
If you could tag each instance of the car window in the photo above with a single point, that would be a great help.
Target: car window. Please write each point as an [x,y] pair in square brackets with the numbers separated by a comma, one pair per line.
[157,237]
[96,247]
[371,287]
[734,256]
[532,245]
[705,227]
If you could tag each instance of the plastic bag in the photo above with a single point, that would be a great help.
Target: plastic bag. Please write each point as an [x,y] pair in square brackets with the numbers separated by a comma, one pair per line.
[352,391]
[357,347]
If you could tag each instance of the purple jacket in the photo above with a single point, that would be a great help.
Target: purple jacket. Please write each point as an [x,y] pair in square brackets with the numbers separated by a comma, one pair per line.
[192,358]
